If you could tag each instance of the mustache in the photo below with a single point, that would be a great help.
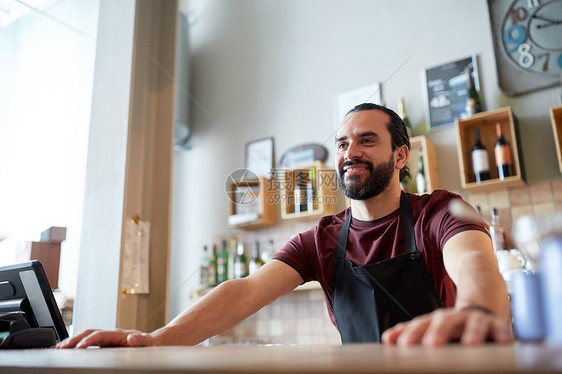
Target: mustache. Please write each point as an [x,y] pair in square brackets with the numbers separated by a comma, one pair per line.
[368,163]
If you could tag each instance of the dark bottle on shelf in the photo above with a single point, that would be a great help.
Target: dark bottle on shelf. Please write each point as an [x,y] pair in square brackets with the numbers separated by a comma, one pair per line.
[300,193]
[480,161]
[222,264]
[502,151]
[473,104]
[212,279]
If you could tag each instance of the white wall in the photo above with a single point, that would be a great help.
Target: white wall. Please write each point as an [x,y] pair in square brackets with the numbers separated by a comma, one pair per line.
[46,75]
[272,68]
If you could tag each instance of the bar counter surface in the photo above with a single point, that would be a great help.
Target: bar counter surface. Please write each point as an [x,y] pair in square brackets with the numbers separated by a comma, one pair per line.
[357,358]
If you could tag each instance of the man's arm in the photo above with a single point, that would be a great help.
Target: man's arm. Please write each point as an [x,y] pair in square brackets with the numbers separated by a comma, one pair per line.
[482,306]
[222,308]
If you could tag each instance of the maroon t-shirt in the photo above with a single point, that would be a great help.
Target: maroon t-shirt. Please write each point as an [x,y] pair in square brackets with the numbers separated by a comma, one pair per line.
[312,252]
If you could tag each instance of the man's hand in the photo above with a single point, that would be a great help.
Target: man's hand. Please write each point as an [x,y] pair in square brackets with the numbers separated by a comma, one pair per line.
[111,338]
[469,326]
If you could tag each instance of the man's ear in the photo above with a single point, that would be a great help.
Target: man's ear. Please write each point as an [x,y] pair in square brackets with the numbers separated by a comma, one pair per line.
[402,154]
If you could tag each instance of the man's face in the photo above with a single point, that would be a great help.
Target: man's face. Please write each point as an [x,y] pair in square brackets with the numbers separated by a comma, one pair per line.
[365,161]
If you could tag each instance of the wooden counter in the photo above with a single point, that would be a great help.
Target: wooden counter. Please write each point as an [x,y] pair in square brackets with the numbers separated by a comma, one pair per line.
[367,358]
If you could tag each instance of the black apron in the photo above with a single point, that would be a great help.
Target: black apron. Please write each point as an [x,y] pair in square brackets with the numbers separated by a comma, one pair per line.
[369,299]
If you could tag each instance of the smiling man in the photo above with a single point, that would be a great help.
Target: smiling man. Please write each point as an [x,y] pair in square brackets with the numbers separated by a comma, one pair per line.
[394,267]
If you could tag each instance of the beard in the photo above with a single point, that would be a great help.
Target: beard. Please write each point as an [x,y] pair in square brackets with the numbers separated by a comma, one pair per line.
[376,182]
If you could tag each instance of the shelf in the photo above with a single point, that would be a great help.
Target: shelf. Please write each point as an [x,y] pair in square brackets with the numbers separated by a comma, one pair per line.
[253,204]
[556,120]
[423,144]
[325,185]
[486,122]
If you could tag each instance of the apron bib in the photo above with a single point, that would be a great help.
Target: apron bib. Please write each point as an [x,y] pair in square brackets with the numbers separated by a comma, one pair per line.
[369,299]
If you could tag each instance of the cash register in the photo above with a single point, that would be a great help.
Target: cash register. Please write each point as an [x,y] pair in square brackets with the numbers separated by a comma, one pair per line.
[29,315]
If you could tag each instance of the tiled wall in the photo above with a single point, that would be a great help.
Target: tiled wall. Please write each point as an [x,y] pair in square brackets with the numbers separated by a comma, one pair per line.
[301,317]
[535,199]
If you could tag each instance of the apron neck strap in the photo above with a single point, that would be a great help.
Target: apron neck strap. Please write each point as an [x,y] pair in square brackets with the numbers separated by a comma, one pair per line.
[407,223]
[405,219]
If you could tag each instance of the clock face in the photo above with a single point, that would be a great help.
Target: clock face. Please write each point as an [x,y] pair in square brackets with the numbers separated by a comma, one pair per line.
[531,34]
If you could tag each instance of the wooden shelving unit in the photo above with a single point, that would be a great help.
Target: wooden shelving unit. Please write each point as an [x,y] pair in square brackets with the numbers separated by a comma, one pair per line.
[486,122]
[427,148]
[325,185]
[253,204]
[556,120]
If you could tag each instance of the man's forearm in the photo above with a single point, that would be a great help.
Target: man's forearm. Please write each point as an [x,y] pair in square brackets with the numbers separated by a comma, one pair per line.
[480,284]
[218,311]
[228,304]
[471,264]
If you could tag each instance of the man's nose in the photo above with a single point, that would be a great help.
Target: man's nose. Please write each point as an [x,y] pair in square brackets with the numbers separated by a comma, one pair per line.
[352,152]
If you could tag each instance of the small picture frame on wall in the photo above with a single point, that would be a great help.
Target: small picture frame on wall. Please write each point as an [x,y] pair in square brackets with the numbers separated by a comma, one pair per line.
[446,91]
[260,157]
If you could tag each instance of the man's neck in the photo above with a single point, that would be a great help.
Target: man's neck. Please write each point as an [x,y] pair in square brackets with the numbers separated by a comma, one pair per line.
[378,206]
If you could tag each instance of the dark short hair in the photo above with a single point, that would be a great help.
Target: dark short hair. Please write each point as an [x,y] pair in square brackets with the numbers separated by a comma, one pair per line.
[396,128]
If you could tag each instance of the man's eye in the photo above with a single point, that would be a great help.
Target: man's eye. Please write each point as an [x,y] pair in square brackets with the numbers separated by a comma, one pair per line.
[341,145]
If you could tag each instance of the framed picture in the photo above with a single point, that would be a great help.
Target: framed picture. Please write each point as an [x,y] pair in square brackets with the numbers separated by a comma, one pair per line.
[260,157]
[347,100]
[446,91]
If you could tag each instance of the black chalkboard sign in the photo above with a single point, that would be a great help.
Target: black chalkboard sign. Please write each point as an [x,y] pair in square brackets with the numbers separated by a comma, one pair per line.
[446,91]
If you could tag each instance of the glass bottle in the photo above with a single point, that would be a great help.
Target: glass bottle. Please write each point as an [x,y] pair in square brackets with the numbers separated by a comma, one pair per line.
[473,104]
[420,176]
[204,270]
[300,193]
[222,264]
[402,113]
[480,161]
[231,257]
[256,262]
[240,263]
[497,232]
[212,278]
[502,151]
[267,255]
[311,190]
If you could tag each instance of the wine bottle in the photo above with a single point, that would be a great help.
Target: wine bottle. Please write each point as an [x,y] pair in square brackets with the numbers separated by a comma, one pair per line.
[300,193]
[212,278]
[473,104]
[480,161]
[311,190]
[231,258]
[420,176]
[502,151]
[240,263]
[222,264]
[402,113]
[497,232]
[204,270]
[256,261]
[267,255]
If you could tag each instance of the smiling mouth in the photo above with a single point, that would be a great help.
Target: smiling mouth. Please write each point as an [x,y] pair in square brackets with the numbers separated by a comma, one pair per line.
[351,168]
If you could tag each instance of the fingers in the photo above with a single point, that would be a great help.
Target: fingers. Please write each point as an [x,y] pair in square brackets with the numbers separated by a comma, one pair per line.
[113,338]
[470,327]
[71,341]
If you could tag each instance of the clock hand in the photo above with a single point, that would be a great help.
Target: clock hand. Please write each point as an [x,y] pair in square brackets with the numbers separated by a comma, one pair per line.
[548,24]
[554,21]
